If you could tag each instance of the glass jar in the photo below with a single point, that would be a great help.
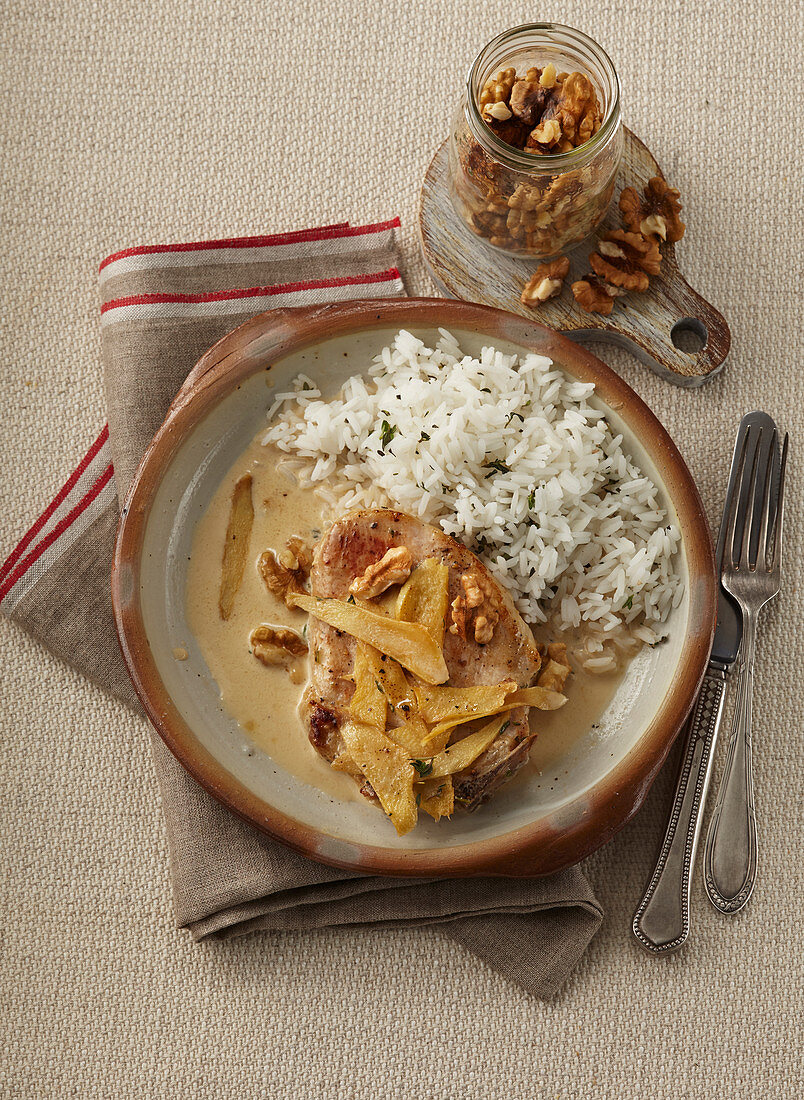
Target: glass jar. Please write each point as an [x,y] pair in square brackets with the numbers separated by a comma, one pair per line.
[535,204]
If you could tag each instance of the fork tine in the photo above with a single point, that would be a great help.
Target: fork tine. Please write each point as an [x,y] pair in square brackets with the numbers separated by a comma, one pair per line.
[779,521]
[763,542]
[731,519]
[745,547]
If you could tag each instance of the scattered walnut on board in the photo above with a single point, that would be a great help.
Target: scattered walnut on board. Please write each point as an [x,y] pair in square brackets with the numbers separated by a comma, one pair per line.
[595,295]
[545,282]
[654,214]
[626,259]
[394,567]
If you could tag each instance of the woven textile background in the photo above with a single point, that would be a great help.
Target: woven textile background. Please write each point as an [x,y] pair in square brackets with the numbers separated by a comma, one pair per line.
[128,123]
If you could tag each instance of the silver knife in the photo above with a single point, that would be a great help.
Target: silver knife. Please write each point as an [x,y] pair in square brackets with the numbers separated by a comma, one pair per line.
[661,923]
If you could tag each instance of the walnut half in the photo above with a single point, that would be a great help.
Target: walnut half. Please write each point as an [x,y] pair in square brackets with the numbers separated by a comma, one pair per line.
[285,573]
[529,97]
[594,295]
[393,568]
[477,596]
[656,214]
[555,670]
[576,108]
[497,89]
[276,645]
[546,282]
[626,259]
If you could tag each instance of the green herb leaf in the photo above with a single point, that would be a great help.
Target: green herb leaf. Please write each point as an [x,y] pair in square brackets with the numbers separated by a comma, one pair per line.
[387,433]
[497,465]
[532,499]
[423,767]
[504,727]
[629,603]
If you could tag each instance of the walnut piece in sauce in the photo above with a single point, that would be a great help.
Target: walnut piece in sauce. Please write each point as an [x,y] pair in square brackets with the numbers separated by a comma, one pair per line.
[545,282]
[394,567]
[276,645]
[285,573]
[555,666]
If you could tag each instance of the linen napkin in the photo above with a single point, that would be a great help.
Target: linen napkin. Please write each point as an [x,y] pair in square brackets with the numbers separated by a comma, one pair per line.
[162,308]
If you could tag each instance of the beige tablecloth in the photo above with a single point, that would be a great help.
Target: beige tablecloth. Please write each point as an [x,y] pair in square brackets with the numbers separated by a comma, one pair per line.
[129,123]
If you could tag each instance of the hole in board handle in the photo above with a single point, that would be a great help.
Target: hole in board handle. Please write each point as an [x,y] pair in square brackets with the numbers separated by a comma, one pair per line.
[689,335]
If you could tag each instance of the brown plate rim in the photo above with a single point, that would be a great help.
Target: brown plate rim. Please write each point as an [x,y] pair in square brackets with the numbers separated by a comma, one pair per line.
[534,849]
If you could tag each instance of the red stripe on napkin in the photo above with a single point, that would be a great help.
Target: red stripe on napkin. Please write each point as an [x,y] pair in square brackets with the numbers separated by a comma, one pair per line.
[57,531]
[321,233]
[252,292]
[34,530]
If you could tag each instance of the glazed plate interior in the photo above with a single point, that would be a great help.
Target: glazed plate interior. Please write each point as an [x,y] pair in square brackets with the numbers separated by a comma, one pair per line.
[189,481]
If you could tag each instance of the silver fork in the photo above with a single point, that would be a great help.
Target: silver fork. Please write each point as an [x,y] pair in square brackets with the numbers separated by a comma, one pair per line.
[751,573]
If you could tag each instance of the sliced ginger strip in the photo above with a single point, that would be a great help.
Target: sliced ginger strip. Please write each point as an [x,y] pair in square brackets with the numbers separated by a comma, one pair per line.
[408,643]
[235,549]
[387,768]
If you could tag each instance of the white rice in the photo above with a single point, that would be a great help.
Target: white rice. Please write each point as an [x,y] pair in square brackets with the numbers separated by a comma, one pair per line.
[509,457]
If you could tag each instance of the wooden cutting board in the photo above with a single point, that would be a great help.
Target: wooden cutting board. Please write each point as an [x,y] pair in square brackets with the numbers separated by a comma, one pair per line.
[656,326]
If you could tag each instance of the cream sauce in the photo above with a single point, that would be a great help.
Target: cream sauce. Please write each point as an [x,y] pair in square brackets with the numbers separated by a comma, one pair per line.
[264,700]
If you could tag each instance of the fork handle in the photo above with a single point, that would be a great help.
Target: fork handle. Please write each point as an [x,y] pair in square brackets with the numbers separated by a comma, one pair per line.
[730,853]
[662,921]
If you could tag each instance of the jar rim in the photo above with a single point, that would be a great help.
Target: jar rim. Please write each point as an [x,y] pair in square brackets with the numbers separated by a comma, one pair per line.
[519,158]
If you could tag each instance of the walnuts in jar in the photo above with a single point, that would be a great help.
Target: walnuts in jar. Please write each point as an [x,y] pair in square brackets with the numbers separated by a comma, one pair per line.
[543,211]
[560,106]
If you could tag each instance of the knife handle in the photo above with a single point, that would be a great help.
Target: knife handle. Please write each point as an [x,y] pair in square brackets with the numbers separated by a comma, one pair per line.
[730,851]
[662,921]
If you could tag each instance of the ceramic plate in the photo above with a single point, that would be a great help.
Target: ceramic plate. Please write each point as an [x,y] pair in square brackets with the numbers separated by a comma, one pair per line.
[532,827]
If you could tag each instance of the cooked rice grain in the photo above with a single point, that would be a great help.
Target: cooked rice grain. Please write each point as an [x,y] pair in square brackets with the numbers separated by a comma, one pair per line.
[509,456]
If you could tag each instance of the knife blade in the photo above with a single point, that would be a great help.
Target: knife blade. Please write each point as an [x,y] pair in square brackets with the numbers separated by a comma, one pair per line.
[661,922]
